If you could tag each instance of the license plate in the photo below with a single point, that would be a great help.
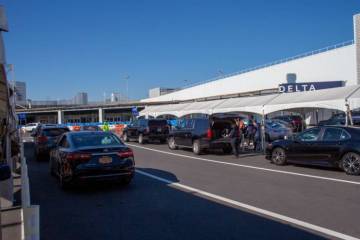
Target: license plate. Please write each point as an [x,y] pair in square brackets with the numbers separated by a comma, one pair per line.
[159,129]
[105,160]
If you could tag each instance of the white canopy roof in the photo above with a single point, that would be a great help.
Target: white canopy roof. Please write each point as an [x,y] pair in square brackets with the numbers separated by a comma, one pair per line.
[333,98]
[244,104]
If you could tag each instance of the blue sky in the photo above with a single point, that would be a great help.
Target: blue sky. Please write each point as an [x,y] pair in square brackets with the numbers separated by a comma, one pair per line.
[61,47]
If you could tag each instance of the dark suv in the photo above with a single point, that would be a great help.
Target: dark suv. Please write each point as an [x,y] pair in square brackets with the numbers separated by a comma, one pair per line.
[201,134]
[144,130]
[46,139]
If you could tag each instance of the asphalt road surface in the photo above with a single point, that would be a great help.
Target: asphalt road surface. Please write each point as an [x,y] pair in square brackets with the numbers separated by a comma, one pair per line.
[176,195]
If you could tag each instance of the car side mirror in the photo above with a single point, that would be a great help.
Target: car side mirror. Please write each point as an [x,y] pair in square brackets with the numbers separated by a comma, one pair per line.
[5,172]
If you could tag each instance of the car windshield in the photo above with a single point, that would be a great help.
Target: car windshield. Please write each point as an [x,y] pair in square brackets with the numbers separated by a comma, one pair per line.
[272,124]
[53,132]
[91,128]
[153,123]
[93,140]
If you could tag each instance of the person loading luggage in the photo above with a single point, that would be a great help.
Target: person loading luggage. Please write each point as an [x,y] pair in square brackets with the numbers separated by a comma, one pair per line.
[235,138]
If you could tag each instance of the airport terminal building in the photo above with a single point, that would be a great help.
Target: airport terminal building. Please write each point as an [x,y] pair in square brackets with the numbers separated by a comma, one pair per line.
[334,67]
[331,67]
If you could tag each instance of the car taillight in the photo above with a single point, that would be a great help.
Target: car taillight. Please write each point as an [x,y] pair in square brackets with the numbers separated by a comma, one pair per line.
[42,139]
[82,157]
[126,154]
[209,133]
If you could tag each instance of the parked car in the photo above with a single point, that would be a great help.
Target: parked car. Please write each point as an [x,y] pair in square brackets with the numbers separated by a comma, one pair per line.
[201,134]
[339,120]
[91,155]
[295,120]
[330,146]
[87,128]
[30,127]
[277,129]
[38,128]
[46,139]
[144,130]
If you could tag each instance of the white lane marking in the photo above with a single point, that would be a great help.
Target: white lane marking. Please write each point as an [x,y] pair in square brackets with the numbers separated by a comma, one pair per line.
[297,222]
[251,167]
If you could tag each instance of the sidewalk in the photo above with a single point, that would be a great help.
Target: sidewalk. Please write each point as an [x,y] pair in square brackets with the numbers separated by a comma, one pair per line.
[11,221]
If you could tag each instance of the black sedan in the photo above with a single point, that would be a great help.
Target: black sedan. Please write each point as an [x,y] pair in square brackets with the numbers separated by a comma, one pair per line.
[330,146]
[89,155]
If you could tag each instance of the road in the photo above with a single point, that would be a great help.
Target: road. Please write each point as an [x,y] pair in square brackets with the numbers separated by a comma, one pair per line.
[176,195]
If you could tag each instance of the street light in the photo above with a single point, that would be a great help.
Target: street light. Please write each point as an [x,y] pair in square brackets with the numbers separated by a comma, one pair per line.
[127,85]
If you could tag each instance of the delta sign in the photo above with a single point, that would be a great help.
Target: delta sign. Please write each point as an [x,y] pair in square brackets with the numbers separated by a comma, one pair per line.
[308,86]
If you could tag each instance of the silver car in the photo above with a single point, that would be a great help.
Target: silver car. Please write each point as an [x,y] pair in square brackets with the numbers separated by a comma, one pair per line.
[277,130]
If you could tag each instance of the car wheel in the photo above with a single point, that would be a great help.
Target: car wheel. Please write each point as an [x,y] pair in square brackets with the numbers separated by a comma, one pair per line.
[350,163]
[125,137]
[162,141]
[171,143]
[196,147]
[141,138]
[64,184]
[278,156]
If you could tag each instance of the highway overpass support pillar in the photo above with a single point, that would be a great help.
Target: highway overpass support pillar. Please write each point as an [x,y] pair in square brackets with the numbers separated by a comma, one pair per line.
[60,117]
[101,115]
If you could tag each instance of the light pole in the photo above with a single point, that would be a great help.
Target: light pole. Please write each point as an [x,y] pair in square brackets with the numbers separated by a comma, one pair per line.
[127,86]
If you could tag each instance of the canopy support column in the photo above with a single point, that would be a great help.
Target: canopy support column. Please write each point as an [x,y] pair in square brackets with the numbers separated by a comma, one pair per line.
[262,127]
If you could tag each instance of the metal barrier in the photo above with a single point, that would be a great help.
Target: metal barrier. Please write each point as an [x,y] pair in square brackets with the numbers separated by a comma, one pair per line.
[30,213]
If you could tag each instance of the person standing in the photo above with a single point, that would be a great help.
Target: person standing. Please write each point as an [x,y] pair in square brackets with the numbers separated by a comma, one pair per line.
[235,138]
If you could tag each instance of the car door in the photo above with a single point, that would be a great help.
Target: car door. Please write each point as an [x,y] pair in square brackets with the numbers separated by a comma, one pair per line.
[58,152]
[304,148]
[183,133]
[189,132]
[132,129]
[330,147]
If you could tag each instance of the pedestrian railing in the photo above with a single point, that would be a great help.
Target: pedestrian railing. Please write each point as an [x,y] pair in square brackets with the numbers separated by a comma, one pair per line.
[30,213]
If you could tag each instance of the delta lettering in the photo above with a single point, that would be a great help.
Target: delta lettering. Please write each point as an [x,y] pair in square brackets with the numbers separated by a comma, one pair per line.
[296,88]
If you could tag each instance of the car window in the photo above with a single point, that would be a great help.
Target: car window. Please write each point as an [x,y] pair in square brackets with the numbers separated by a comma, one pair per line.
[332,134]
[186,123]
[345,135]
[310,135]
[134,123]
[155,123]
[64,143]
[142,123]
[92,140]
[91,128]
[53,132]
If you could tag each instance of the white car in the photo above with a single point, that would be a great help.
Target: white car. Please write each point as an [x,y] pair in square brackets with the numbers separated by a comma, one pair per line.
[30,127]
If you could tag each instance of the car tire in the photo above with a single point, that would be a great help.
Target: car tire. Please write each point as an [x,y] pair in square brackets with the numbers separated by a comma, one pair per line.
[172,144]
[162,141]
[65,185]
[196,147]
[278,156]
[350,163]
[141,139]
[125,137]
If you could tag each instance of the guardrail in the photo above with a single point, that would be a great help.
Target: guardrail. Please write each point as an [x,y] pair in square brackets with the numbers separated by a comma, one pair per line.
[321,50]
[30,213]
